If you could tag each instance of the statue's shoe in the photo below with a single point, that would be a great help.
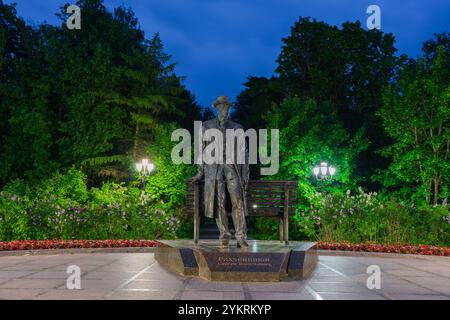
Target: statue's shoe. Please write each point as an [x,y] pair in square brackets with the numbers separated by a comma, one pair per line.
[225,242]
[242,244]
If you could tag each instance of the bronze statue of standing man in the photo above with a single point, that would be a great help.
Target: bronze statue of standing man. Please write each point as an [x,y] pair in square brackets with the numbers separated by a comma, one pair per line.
[220,177]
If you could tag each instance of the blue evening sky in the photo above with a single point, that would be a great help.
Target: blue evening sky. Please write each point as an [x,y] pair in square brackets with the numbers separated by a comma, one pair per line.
[218,43]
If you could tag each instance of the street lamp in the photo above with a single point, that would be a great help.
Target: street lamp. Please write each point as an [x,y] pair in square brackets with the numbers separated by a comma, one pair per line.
[324,171]
[145,168]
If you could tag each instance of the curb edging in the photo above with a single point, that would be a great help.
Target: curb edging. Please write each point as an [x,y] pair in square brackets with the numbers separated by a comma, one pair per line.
[320,252]
[344,253]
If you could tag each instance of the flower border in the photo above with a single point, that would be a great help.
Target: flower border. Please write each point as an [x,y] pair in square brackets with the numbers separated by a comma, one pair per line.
[73,244]
[342,246]
[388,248]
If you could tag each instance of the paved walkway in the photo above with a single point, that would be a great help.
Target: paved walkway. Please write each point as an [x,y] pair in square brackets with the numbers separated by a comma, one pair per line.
[138,276]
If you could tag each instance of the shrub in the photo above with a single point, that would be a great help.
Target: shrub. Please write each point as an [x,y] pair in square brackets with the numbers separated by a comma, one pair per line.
[13,217]
[69,185]
[118,211]
[62,207]
[363,217]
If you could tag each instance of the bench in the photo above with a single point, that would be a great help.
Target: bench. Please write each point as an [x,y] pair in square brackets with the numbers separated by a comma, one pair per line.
[265,198]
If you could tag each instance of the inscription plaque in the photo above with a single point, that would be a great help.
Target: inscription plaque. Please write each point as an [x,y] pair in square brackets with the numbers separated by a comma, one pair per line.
[263,261]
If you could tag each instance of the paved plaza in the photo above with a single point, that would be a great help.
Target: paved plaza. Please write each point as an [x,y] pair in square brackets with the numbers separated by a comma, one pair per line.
[138,276]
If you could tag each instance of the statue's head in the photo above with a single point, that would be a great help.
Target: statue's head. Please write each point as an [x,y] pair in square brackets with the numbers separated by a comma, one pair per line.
[223,106]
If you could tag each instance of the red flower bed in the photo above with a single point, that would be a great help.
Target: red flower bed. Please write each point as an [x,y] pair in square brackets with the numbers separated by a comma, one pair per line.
[71,244]
[368,247]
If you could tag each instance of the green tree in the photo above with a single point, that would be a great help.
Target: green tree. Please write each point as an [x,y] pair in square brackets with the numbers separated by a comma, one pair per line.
[90,98]
[311,133]
[26,123]
[256,100]
[347,67]
[127,87]
[416,114]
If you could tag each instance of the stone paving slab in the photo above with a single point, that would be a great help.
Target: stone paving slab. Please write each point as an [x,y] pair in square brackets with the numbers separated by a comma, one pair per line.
[136,275]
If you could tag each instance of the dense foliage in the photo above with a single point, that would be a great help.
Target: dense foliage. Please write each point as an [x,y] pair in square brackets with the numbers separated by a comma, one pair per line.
[62,207]
[79,107]
[90,98]
[364,218]
[97,99]
[367,217]
[309,132]
[344,97]
[416,114]
[345,69]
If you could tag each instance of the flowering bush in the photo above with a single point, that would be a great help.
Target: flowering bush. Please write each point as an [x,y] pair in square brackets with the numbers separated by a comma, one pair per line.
[363,217]
[66,221]
[52,211]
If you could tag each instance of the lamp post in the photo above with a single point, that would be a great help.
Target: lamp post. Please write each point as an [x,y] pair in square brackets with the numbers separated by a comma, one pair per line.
[144,168]
[324,173]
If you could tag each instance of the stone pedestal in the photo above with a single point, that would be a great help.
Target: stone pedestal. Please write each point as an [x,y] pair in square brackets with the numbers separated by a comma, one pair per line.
[262,261]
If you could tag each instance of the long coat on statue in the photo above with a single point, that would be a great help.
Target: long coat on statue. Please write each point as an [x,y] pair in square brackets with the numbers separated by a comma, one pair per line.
[210,170]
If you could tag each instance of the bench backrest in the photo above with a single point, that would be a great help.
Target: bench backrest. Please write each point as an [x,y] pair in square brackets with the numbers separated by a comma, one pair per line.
[265,198]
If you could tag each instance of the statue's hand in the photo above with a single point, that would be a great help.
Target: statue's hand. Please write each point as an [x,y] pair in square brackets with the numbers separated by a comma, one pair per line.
[196,178]
[245,184]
